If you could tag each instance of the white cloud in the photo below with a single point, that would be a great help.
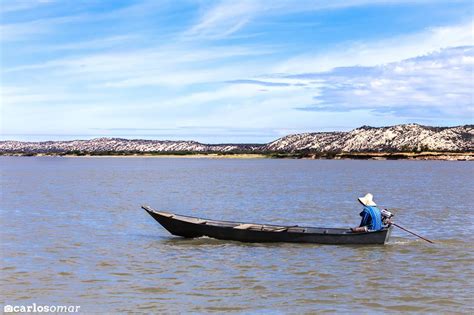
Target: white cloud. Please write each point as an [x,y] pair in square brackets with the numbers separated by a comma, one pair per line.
[30,29]
[174,65]
[20,5]
[436,85]
[381,51]
[228,16]
[46,26]
[224,19]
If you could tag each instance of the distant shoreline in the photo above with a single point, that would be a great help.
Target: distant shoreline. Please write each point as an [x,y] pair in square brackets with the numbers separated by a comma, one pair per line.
[410,141]
[439,156]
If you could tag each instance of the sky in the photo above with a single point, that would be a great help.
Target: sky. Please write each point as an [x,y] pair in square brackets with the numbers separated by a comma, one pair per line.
[231,71]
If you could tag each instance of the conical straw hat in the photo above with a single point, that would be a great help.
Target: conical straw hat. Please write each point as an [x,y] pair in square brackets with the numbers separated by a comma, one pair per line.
[367,200]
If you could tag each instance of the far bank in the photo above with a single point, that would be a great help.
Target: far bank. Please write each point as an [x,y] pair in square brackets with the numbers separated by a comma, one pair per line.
[441,156]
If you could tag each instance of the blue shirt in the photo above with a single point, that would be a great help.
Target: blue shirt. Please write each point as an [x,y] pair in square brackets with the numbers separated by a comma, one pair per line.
[372,218]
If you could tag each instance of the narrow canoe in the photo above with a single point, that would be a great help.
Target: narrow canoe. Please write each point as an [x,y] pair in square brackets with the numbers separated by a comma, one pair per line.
[191,227]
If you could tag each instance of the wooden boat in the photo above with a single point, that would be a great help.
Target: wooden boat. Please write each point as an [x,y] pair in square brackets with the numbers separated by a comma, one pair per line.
[191,227]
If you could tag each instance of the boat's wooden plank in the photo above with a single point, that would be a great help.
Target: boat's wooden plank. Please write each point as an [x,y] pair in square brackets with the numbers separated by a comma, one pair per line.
[296,230]
[165,214]
[222,223]
[275,228]
[248,226]
[261,227]
[190,219]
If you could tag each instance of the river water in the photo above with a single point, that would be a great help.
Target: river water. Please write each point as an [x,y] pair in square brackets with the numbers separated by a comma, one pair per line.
[72,233]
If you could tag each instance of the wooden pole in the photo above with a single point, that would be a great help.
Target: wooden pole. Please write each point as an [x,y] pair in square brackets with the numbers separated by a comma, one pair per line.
[425,239]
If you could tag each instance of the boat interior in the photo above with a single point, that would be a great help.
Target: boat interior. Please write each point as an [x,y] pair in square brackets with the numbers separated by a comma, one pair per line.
[251,226]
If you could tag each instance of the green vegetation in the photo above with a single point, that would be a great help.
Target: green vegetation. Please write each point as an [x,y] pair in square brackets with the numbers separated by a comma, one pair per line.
[302,154]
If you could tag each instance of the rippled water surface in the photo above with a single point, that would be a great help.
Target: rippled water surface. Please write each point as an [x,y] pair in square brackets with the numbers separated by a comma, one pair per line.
[72,233]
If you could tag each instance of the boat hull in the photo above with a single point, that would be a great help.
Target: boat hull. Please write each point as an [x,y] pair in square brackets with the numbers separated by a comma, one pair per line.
[191,227]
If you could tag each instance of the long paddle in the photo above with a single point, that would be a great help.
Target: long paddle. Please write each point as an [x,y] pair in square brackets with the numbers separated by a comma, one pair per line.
[425,239]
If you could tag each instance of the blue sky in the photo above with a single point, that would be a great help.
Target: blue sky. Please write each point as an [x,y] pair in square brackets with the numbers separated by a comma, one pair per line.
[231,71]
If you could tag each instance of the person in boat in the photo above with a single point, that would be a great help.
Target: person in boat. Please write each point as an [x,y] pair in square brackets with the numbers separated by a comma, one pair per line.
[372,219]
